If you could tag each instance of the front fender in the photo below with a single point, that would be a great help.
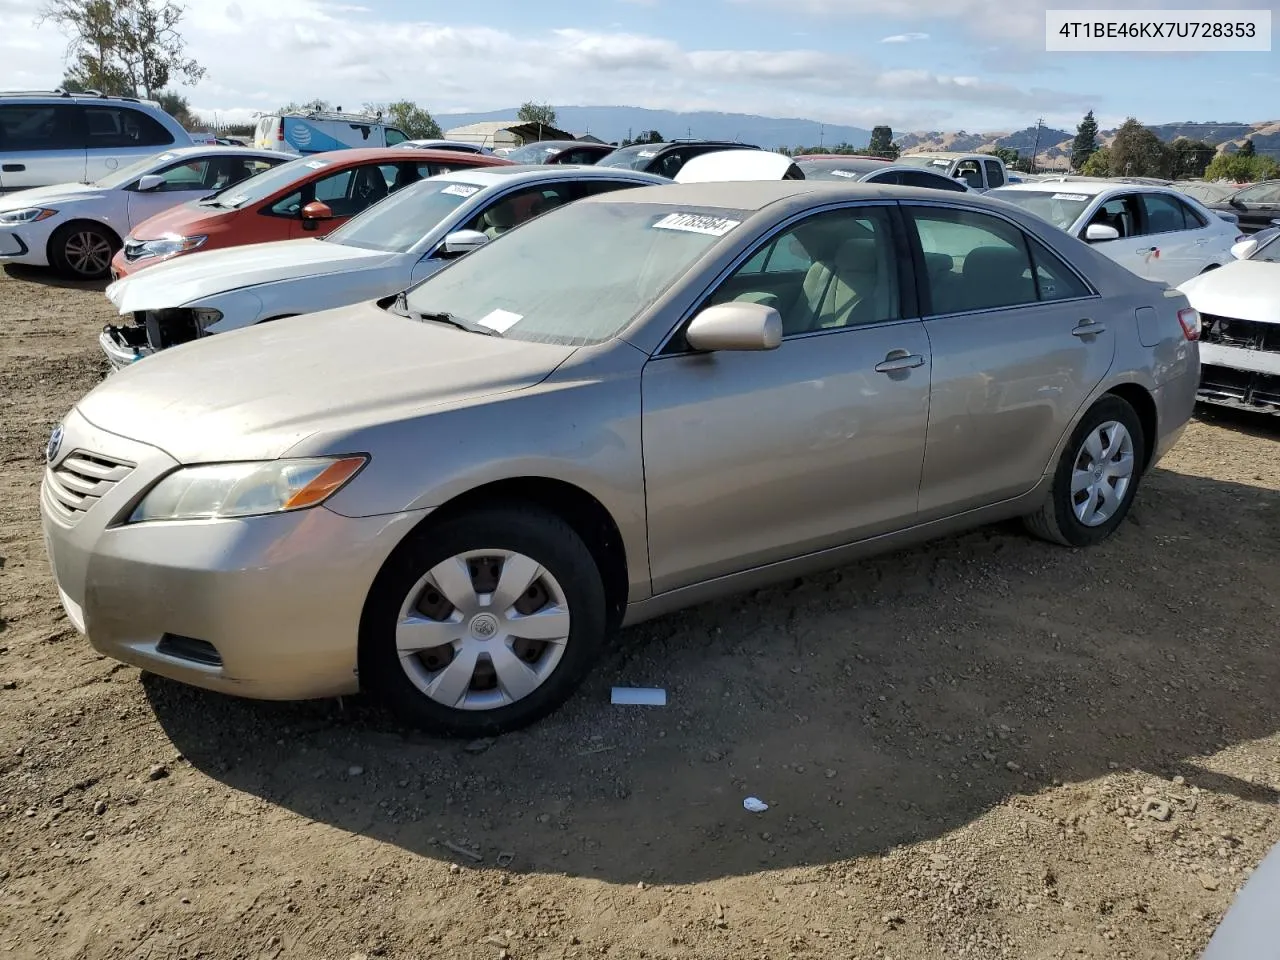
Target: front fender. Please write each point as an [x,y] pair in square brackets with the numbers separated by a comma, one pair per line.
[239,308]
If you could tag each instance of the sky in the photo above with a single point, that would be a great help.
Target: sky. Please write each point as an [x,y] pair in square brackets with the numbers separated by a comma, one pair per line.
[972,65]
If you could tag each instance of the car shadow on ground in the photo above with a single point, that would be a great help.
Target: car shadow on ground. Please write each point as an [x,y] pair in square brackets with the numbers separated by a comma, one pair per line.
[50,278]
[891,701]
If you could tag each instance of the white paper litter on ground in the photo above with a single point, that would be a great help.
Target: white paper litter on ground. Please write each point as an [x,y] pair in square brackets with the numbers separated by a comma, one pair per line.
[640,696]
[755,805]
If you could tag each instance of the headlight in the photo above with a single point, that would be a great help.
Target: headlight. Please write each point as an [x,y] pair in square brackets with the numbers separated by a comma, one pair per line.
[167,246]
[246,489]
[26,215]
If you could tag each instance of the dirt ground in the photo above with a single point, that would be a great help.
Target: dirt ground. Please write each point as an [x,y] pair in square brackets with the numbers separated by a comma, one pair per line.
[988,747]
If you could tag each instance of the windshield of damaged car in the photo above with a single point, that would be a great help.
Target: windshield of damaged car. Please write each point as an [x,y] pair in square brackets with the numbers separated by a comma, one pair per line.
[577,275]
[1062,208]
[402,219]
[637,157]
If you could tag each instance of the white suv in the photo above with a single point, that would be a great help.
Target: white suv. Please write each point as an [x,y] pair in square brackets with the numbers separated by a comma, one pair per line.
[49,137]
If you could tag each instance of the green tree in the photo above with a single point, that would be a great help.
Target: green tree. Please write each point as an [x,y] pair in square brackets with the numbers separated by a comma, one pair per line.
[543,113]
[1098,164]
[123,46]
[1007,155]
[1086,142]
[1190,157]
[1247,148]
[406,115]
[178,107]
[1137,152]
[882,144]
[1241,169]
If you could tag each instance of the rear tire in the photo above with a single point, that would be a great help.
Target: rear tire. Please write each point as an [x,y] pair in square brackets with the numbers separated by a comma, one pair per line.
[83,250]
[487,676]
[1092,491]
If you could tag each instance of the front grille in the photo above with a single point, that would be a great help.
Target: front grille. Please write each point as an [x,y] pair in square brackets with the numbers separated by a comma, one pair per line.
[80,481]
[1245,334]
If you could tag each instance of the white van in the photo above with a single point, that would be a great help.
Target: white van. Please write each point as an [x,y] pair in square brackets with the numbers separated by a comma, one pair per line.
[322,131]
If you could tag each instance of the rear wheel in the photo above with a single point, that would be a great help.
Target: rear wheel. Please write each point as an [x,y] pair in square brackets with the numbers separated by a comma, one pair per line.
[483,623]
[1096,479]
[83,250]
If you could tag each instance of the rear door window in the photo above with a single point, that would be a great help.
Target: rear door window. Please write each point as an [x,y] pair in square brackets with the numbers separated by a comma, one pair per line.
[995,176]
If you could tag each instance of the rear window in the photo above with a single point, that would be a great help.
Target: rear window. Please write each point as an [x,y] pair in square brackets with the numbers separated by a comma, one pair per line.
[117,126]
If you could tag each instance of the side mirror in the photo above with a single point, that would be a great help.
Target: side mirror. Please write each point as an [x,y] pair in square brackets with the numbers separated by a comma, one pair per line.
[462,241]
[1099,232]
[735,326]
[314,212]
[150,182]
[1244,249]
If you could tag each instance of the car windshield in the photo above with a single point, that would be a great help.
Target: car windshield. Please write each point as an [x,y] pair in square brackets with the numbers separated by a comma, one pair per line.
[1268,248]
[635,157]
[1060,207]
[577,275]
[266,183]
[533,153]
[926,161]
[405,217]
[118,178]
[1207,192]
[839,170]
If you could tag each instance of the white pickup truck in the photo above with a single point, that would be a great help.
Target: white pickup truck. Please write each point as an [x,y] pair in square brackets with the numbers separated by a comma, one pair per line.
[979,171]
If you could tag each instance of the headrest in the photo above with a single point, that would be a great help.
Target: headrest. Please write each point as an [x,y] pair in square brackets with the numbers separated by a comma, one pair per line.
[857,256]
[936,263]
[500,216]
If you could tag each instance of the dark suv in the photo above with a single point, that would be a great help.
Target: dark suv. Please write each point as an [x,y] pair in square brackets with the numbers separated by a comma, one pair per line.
[666,159]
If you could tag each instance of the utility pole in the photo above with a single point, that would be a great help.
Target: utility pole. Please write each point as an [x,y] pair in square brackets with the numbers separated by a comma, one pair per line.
[822,136]
[1035,151]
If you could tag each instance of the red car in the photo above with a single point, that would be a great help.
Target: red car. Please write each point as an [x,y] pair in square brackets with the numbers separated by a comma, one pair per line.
[306,197]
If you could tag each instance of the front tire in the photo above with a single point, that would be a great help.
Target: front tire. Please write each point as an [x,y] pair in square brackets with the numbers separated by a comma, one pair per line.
[1096,479]
[483,623]
[82,250]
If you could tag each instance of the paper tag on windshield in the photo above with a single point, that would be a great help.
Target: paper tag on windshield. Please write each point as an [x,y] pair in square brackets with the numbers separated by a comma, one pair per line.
[845,173]
[460,190]
[647,154]
[500,320]
[165,156]
[316,164]
[696,223]
[1070,196]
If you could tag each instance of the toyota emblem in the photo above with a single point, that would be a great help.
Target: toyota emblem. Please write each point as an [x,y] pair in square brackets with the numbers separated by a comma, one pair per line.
[54,445]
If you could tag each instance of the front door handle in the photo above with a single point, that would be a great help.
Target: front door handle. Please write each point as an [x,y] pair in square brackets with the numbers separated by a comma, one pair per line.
[899,360]
[1088,328]
[13,168]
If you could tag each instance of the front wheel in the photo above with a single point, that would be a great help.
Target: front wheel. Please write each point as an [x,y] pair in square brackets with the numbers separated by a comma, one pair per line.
[1095,481]
[82,251]
[483,623]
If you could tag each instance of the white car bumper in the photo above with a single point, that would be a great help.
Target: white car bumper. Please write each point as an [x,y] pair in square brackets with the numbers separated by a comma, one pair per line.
[27,242]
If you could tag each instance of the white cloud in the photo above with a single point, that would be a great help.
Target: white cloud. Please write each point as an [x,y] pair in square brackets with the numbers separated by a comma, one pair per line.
[261,55]
[905,38]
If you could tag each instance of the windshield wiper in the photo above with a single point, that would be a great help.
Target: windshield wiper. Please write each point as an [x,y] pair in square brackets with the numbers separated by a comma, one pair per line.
[401,306]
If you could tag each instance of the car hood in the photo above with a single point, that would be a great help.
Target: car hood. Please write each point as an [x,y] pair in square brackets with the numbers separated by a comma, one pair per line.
[188,219]
[204,274]
[58,193]
[255,393]
[1242,290]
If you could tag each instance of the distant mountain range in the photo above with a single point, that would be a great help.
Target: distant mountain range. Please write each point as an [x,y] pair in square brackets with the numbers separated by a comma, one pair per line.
[614,123]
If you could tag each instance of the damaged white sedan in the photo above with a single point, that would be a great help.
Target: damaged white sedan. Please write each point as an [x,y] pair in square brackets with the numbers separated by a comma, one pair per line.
[1239,306]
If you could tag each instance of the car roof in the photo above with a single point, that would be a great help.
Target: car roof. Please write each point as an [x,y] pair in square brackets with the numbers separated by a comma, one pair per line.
[354,155]
[1090,188]
[201,149]
[753,195]
[566,143]
[508,173]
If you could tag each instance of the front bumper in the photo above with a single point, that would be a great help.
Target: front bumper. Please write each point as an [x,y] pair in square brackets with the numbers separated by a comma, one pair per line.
[265,607]
[22,247]
[1240,377]
[118,354]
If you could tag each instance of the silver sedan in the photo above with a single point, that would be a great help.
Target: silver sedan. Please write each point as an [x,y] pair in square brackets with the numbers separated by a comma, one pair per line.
[637,402]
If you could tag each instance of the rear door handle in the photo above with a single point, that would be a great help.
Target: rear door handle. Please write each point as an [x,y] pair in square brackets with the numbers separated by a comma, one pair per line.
[13,168]
[899,360]
[1088,328]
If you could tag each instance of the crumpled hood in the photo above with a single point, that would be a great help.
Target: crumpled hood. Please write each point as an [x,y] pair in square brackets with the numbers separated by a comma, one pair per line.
[1242,289]
[255,393]
[58,193]
[195,276]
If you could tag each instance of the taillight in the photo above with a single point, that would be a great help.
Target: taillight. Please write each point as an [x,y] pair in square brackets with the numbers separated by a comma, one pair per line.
[1190,320]
[280,132]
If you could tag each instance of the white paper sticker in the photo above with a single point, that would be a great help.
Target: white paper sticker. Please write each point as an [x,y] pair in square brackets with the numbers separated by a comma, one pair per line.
[500,320]
[852,175]
[460,190]
[316,164]
[696,223]
[647,153]
[165,156]
[234,201]
[1070,196]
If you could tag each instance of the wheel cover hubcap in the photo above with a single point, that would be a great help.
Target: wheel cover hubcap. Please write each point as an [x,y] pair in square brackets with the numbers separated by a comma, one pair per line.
[87,252]
[1102,473]
[483,629]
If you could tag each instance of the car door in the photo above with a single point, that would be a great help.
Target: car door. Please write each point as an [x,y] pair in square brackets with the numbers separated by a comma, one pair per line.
[970,174]
[755,457]
[117,135]
[994,173]
[1257,205]
[1179,250]
[1019,342]
[40,144]
[1134,249]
